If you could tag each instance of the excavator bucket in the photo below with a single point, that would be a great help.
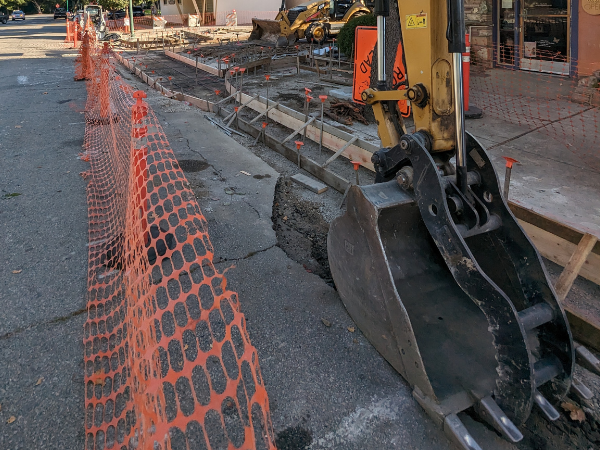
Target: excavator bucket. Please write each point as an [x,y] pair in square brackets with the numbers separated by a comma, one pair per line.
[268,31]
[451,291]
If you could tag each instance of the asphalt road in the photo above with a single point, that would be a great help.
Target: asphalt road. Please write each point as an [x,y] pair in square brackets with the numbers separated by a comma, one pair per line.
[43,235]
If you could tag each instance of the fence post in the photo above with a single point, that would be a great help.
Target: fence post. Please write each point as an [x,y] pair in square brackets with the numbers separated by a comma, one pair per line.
[104,87]
[68,38]
[75,26]
[139,149]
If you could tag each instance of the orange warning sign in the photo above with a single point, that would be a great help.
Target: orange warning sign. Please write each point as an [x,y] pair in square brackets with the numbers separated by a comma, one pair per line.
[365,39]
[364,48]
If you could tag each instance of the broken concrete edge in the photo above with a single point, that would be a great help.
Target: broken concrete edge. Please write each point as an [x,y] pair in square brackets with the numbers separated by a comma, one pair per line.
[309,183]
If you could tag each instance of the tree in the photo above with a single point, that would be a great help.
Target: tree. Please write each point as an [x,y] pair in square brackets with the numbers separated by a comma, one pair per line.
[345,37]
[11,4]
[111,5]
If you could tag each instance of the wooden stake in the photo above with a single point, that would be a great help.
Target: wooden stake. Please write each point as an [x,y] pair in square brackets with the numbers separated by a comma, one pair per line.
[571,270]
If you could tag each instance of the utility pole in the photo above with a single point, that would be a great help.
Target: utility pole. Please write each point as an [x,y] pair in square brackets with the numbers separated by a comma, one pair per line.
[131,18]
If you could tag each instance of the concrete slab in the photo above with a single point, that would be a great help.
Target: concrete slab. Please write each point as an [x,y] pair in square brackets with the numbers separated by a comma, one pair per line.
[236,205]
[309,183]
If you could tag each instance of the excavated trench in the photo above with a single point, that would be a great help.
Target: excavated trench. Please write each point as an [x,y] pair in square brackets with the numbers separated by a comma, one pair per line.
[301,230]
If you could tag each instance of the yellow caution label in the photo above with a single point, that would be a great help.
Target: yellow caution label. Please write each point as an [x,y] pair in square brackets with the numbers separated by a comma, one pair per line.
[416,21]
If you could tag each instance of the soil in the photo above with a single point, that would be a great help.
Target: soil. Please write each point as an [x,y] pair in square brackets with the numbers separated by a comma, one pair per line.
[301,230]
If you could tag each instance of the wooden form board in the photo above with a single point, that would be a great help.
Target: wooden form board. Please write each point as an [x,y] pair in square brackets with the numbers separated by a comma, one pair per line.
[213,70]
[584,330]
[190,62]
[559,251]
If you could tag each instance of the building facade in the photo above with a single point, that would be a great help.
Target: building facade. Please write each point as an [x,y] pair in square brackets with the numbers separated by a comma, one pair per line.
[215,12]
[552,36]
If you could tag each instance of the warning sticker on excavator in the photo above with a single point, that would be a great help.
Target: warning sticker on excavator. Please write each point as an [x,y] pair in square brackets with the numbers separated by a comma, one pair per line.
[416,21]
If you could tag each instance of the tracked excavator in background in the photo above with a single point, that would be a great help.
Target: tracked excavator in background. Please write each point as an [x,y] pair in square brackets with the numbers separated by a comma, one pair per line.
[314,20]
[430,262]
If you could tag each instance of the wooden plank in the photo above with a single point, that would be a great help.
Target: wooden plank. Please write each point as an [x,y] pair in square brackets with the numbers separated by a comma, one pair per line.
[339,152]
[240,108]
[584,329]
[573,267]
[265,112]
[297,131]
[560,250]
[551,225]
[205,67]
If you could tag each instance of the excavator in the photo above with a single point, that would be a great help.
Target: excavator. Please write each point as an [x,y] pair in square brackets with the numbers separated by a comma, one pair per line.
[313,20]
[429,260]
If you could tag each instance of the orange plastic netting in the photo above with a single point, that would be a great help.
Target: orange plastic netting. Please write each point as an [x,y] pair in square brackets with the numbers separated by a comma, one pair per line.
[555,98]
[168,360]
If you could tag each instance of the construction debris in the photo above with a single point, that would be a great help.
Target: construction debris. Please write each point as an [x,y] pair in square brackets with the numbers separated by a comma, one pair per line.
[346,112]
[309,183]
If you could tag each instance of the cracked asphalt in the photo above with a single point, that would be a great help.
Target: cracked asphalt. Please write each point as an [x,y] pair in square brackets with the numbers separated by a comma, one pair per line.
[43,231]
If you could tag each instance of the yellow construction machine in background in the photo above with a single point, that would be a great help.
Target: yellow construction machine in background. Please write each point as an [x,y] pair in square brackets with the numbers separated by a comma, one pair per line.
[313,20]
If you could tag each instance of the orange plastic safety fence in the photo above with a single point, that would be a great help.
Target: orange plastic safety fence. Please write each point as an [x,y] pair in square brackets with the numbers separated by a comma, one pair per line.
[168,360]
[83,64]
[546,93]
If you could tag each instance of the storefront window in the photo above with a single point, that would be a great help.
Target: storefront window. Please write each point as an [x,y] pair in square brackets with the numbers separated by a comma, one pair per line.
[533,35]
[545,30]
[506,41]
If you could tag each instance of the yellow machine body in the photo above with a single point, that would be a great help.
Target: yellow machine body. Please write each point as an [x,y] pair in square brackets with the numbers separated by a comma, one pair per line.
[292,24]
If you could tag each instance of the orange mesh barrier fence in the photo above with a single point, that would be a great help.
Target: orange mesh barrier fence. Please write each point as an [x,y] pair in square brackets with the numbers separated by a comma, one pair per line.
[168,360]
[544,92]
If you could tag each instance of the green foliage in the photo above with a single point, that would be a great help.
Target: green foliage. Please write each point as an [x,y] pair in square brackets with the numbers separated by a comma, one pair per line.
[10,5]
[48,6]
[346,36]
[111,5]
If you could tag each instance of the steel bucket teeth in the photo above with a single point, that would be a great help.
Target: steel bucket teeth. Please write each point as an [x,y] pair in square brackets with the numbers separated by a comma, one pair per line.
[581,390]
[586,359]
[549,411]
[458,434]
[489,411]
